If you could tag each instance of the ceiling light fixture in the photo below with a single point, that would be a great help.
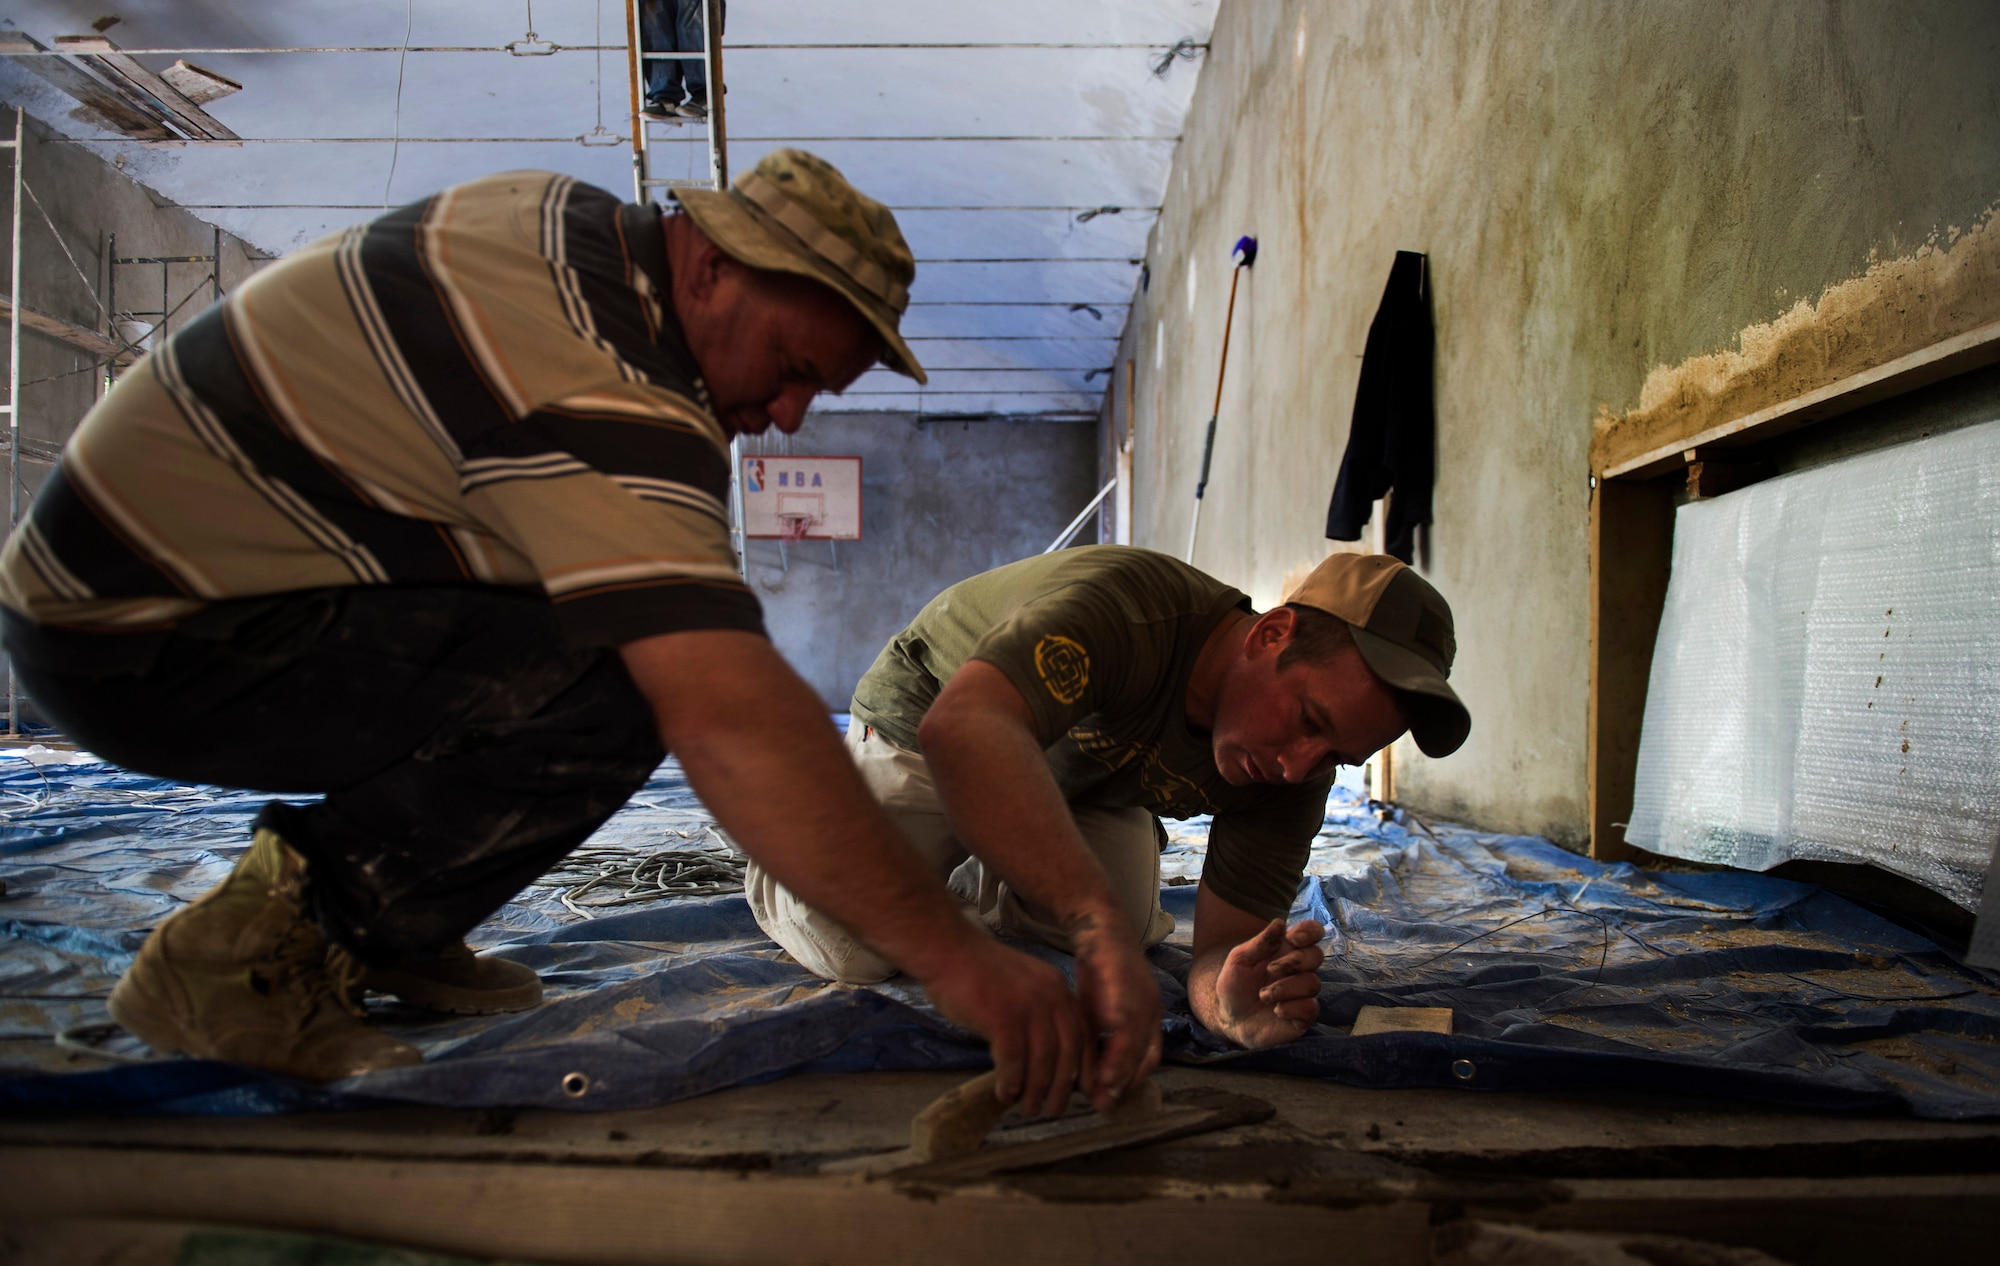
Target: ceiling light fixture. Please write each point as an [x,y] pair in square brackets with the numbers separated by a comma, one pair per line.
[531,44]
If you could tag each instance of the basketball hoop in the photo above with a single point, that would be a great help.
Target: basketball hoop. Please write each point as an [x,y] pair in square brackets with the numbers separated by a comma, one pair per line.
[790,497]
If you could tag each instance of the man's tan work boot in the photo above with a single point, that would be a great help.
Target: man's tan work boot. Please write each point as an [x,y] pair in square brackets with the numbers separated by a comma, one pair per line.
[244,974]
[458,981]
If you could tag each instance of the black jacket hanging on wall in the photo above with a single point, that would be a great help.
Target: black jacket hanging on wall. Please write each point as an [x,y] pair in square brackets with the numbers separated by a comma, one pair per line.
[1392,442]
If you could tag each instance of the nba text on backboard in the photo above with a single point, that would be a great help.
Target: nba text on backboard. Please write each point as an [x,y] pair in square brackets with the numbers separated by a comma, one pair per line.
[802,498]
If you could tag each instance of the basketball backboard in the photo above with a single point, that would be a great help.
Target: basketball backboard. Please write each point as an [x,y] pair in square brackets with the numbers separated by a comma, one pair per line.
[826,491]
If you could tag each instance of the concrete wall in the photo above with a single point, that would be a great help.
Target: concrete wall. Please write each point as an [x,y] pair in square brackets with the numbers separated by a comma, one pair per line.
[78,203]
[940,501]
[1602,189]
[86,202]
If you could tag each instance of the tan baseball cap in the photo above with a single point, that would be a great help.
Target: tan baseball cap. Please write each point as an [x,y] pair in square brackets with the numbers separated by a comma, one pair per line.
[794,213]
[1403,629]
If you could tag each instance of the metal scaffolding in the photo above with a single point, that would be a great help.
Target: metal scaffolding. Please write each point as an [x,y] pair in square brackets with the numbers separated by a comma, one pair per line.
[13,405]
[168,308]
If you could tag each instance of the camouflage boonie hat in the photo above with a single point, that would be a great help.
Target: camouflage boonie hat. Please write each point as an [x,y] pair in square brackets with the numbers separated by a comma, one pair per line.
[794,213]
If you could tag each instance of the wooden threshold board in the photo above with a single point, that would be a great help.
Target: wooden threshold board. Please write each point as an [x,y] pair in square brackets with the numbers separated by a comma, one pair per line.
[603,1214]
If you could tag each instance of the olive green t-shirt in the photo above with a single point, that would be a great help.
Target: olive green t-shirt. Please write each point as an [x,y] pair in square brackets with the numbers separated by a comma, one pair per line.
[1101,641]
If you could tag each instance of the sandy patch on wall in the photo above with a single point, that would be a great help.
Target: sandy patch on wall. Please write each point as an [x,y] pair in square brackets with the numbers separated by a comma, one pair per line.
[1948,286]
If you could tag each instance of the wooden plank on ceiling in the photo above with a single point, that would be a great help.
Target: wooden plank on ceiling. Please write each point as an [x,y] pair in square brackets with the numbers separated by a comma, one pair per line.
[104,107]
[103,57]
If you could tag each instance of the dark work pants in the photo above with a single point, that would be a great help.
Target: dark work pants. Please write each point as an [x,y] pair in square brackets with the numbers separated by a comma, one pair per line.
[460,745]
[673,26]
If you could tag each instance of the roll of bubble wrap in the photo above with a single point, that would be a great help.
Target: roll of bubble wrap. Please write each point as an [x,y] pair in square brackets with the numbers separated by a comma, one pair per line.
[1826,683]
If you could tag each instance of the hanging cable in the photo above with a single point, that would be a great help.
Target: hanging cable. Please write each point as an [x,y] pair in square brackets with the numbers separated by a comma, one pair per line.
[396,146]
[596,136]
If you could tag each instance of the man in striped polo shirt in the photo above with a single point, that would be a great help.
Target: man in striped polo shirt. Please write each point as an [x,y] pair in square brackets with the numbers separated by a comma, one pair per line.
[429,518]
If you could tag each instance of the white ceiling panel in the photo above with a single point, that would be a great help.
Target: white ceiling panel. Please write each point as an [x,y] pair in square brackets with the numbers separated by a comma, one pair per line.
[1024,234]
[1056,281]
[923,92]
[1076,174]
[939,355]
[1042,321]
[984,380]
[1066,404]
[1146,22]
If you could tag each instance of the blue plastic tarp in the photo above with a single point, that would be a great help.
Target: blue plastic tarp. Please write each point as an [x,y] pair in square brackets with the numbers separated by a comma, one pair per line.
[1560,972]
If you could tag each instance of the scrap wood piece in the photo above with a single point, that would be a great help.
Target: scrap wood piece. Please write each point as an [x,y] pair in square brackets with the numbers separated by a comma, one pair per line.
[1188,1113]
[101,105]
[1373,1020]
[145,88]
[199,84]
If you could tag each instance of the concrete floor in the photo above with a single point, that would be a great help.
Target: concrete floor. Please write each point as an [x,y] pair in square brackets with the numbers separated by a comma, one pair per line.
[1388,1176]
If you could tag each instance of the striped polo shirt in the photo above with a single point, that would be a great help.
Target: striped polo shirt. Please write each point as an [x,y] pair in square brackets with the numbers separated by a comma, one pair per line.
[486,387]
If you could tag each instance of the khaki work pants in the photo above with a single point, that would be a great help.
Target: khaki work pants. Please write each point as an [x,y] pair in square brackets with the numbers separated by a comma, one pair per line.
[1124,841]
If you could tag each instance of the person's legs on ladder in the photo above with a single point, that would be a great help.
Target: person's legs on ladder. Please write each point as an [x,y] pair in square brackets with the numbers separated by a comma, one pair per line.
[462,746]
[659,24]
[693,40]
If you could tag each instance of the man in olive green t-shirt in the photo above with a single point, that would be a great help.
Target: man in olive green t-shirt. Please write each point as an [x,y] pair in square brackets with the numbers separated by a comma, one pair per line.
[1030,725]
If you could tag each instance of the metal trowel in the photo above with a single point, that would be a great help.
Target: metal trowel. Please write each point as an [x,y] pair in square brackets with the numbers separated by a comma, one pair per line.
[953,1139]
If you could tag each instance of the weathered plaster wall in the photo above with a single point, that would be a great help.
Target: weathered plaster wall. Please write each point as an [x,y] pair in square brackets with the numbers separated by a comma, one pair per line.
[940,501]
[1603,189]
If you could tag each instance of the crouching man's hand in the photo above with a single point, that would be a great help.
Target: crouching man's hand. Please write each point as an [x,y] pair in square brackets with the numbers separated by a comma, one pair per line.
[1253,982]
[1025,1010]
[1121,1001]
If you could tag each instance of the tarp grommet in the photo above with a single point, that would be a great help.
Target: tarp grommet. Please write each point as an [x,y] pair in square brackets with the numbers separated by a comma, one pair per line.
[1463,1069]
[576,1085]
